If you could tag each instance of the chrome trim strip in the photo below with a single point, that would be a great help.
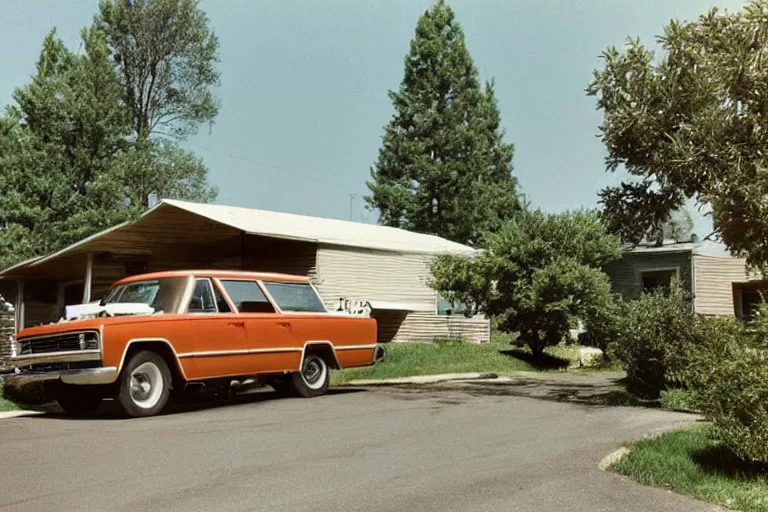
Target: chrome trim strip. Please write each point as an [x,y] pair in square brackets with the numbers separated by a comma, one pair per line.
[355,347]
[214,353]
[57,334]
[56,357]
[106,375]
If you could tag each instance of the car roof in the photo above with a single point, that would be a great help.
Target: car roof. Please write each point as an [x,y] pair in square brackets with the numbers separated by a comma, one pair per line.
[217,274]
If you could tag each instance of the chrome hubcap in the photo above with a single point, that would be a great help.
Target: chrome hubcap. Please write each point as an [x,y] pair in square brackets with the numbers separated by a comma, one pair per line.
[314,372]
[146,385]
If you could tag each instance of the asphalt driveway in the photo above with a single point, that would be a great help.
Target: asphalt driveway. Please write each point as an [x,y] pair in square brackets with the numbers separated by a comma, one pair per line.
[443,448]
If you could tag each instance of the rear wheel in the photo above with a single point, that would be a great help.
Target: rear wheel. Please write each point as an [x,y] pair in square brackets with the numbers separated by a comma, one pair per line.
[314,377]
[144,385]
[78,400]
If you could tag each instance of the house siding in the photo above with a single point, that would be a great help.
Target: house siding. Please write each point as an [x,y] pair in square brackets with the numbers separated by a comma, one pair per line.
[427,327]
[393,277]
[368,274]
[625,272]
[714,283]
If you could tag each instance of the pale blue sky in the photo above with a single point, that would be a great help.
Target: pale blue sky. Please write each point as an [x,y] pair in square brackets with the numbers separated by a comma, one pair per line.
[304,88]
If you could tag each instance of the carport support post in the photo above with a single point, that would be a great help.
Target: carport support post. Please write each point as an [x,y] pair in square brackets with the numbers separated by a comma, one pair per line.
[88,279]
[19,305]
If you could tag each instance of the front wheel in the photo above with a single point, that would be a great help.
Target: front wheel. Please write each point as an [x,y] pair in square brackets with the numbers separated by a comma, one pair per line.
[144,385]
[314,377]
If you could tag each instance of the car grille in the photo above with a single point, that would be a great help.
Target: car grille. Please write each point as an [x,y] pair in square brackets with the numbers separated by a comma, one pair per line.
[60,367]
[70,342]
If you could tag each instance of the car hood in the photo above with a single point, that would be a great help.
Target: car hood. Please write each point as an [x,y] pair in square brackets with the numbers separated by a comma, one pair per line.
[87,324]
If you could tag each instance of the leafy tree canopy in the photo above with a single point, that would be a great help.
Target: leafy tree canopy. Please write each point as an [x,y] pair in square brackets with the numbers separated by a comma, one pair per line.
[443,167]
[691,122]
[72,160]
[537,275]
[166,57]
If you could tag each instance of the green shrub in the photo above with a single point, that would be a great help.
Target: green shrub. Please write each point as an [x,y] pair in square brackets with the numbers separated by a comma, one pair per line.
[728,371]
[655,329]
[677,399]
[604,327]
[537,274]
[30,395]
[732,392]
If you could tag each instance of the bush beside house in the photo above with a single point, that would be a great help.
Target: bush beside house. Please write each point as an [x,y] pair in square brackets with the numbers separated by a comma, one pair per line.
[717,366]
[536,277]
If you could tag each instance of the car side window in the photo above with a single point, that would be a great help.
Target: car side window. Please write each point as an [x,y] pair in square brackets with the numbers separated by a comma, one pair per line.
[295,297]
[202,300]
[247,296]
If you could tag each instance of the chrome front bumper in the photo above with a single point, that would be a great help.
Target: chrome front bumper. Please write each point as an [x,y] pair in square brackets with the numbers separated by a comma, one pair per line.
[91,376]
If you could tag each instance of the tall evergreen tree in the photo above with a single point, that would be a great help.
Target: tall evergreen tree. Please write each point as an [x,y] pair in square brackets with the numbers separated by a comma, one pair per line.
[443,167]
[57,147]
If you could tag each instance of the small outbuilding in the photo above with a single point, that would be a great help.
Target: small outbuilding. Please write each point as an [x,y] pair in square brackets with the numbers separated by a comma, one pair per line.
[721,285]
[381,271]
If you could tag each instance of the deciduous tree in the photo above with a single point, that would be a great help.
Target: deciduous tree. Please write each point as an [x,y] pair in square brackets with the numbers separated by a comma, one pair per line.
[539,273]
[691,122]
[165,54]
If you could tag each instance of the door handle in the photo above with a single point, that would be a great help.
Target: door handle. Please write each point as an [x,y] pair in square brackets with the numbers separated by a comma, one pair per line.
[287,325]
[236,324]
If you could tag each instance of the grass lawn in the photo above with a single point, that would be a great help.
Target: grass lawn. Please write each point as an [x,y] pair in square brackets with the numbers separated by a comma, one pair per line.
[405,360]
[5,405]
[688,462]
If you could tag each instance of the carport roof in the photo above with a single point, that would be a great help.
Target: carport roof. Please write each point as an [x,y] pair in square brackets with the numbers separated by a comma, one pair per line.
[256,222]
[321,230]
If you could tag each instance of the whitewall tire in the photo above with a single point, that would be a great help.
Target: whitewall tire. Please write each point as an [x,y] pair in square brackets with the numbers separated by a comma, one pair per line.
[144,385]
[314,377]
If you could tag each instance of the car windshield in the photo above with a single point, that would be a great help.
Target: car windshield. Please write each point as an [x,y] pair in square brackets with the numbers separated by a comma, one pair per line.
[163,295]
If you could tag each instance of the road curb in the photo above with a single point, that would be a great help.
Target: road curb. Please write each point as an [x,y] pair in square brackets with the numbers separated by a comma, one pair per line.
[421,379]
[613,458]
[6,415]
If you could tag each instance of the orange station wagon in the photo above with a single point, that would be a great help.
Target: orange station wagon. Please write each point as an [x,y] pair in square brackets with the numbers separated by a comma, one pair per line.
[157,334]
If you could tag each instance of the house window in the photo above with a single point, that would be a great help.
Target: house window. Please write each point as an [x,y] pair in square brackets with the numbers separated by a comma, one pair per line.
[445,307]
[750,300]
[657,279]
